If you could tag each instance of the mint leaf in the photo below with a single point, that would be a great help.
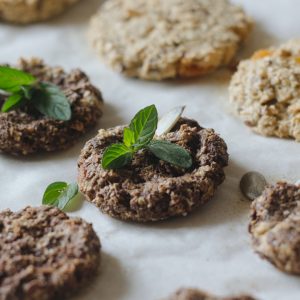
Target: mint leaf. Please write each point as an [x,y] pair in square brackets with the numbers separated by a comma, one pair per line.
[53,191]
[128,137]
[144,125]
[171,153]
[59,194]
[67,195]
[12,102]
[52,102]
[11,79]
[139,135]
[116,156]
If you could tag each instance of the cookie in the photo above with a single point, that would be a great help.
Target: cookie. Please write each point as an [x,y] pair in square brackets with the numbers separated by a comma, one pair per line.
[265,91]
[275,226]
[154,39]
[24,11]
[25,131]
[150,189]
[44,254]
[193,294]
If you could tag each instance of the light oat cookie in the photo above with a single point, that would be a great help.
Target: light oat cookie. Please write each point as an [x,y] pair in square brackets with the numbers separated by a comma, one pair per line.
[29,11]
[44,254]
[157,39]
[194,294]
[266,91]
[150,189]
[25,131]
[275,226]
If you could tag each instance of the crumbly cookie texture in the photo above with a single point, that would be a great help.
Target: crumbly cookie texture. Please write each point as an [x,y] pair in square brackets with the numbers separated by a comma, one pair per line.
[155,39]
[150,189]
[194,294]
[44,254]
[266,91]
[25,131]
[29,11]
[275,226]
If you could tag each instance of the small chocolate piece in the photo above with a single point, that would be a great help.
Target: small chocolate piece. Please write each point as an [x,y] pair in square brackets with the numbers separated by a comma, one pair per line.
[252,185]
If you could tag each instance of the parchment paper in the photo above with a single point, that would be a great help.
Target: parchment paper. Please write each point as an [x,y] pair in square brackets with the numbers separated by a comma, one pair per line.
[209,249]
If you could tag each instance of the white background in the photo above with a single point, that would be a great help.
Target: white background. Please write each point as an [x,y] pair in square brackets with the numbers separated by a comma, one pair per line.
[209,249]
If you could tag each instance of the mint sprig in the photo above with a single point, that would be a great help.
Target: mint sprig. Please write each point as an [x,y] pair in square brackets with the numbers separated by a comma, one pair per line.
[60,194]
[23,88]
[139,135]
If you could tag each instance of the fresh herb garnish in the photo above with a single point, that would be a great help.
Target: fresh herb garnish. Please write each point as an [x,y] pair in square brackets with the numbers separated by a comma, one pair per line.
[22,88]
[139,135]
[60,194]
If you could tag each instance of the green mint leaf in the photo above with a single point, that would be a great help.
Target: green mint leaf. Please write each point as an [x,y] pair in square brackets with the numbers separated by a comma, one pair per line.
[11,79]
[27,90]
[144,125]
[67,195]
[59,194]
[116,156]
[171,153]
[52,102]
[12,102]
[128,137]
[53,191]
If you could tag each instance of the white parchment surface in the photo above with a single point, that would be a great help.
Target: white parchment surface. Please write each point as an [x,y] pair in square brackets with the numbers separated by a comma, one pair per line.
[209,249]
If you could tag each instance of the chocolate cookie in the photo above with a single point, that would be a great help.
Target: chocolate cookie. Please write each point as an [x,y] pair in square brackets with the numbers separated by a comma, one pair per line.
[150,189]
[275,226]
[25,131]
[154,39]
[265,91]
[44,254]
[24,11]
[193,294]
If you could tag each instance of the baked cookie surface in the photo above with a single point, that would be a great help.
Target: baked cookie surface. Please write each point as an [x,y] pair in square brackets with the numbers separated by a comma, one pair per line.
[150,189]
[25,131]
[266,91]
[194,294]
[44,254]
[275,226]
[29,11]
[155,39]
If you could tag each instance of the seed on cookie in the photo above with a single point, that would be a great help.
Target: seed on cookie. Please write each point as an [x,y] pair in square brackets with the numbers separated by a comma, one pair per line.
[147,188]
[24,11]
[252,185]
[274,226]
[265,91]
[155,40]
[44,254]
[32,126]
[194,294]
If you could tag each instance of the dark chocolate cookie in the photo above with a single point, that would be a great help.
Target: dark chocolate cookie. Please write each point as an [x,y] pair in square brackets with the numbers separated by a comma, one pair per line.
[193,294]
[44,254]
[25,131]
[150,189]
[275,226]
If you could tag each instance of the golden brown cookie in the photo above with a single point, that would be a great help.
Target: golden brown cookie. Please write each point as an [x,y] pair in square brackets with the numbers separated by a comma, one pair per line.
[155,39]
[29,11]
[265,91]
